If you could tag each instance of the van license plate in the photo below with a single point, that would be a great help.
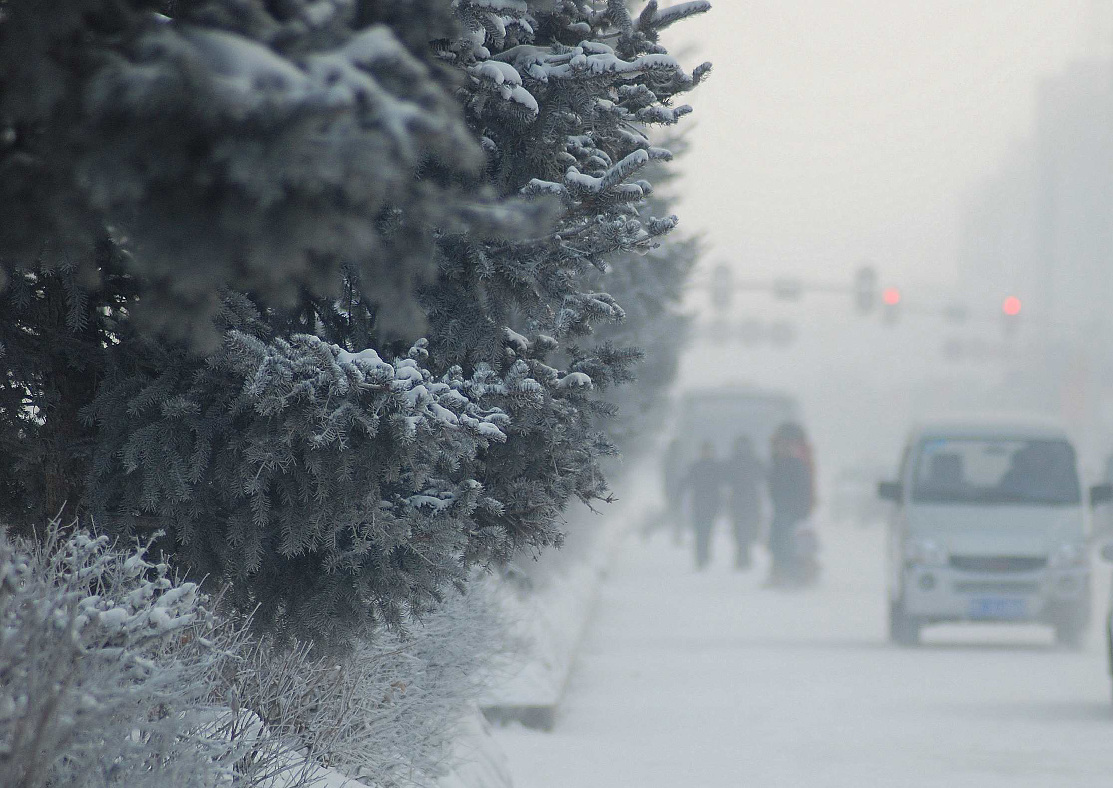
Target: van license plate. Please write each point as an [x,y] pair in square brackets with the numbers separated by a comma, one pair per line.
[998,607]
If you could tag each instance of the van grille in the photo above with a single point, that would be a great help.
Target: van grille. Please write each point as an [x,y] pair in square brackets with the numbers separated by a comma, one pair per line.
[998,563]
[997,587]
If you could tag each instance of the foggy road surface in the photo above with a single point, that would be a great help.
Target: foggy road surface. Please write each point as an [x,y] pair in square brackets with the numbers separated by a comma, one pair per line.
[693,680]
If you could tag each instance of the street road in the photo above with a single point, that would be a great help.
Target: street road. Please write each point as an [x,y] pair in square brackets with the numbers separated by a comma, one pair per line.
[699,680]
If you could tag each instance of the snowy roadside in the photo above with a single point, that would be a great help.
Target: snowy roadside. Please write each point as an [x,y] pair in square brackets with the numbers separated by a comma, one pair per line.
[709,679]
[479,759]
[553,611]
[479,762]
[551,619]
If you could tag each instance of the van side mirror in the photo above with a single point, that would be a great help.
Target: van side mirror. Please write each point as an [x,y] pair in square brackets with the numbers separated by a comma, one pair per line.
[1101,493]
[893,491]
[1106,552]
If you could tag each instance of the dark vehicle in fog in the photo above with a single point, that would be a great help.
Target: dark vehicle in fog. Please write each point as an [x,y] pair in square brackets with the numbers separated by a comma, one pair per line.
[722,415]
[990,524]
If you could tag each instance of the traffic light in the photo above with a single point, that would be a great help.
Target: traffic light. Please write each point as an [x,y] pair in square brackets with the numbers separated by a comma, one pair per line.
[1010,311]
[890,298]
[865,289]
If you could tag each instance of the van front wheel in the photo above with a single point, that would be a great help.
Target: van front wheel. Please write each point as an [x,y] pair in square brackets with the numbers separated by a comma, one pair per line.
[904,630]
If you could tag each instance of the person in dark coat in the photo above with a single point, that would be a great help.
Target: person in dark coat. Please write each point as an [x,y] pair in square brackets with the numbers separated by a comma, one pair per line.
[791,492]
[744,475]
[703,485]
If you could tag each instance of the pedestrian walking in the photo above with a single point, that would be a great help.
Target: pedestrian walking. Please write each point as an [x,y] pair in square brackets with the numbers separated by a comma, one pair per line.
[703,486]
[744,475]
[792,494]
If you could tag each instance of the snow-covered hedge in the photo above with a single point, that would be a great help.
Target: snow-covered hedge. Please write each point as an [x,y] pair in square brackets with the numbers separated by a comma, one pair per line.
[107,667]
[386,714]
[114,673]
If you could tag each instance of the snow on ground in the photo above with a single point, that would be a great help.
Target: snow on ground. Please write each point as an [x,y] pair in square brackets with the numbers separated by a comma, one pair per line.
[703,680]
[478,760]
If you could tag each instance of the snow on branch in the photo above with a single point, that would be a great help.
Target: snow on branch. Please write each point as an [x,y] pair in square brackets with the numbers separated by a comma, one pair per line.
[653,18]
[109,666]
[506,80]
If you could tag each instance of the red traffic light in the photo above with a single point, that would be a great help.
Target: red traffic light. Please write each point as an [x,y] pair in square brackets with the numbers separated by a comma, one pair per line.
[890,296]
[1011,306]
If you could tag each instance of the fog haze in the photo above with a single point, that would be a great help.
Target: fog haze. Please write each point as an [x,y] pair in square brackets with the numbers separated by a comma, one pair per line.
[836,131]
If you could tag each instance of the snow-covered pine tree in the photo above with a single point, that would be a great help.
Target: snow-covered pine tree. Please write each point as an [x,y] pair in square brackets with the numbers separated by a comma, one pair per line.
[155,154]
[241,144]
[55,338]
[311,171]
[561,95]
[650,288]
[332,489]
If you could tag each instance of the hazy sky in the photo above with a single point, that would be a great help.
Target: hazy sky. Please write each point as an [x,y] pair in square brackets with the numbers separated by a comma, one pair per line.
[833,130]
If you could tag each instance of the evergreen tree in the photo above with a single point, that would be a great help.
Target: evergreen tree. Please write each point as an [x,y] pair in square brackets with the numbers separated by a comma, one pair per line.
[149,165]
[240,145]
[235,218]
[650,288]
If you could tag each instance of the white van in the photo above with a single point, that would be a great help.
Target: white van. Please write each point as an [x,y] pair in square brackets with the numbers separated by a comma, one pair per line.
[990,524]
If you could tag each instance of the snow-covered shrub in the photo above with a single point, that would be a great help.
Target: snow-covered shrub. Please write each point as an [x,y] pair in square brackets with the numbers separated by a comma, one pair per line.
[430,677]
[385,713]
[107,666]
[112,673]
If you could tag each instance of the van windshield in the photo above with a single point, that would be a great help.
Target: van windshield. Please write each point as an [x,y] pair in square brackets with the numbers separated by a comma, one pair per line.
[993,471]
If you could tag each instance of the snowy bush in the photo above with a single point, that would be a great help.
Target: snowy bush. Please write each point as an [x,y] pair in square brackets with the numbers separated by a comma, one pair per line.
[385,713]
[113,673]
[107,666]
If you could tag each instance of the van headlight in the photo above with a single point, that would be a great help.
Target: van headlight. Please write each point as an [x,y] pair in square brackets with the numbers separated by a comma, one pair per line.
[1068,555]
[925,552]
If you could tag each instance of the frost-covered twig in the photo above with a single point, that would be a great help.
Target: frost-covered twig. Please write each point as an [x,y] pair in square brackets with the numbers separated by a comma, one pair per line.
[106,668]
[386,713]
